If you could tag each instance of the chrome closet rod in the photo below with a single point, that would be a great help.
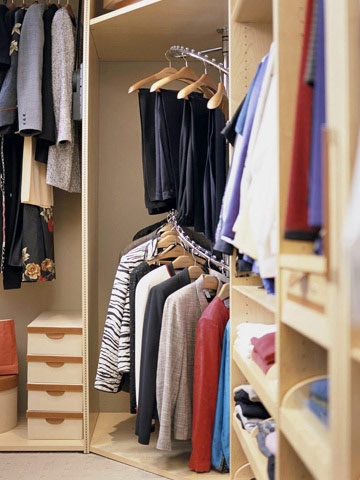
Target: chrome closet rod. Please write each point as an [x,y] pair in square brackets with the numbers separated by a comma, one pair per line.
[201,251]
[177,51]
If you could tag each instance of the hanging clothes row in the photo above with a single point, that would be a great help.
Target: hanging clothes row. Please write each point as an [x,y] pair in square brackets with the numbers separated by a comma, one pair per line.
[304,215]
[248,213]
[39,140]
[167,311]
[183,152]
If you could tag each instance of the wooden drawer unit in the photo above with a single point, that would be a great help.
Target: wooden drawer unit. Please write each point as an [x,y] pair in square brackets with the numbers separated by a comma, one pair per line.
[55,377]
[55,333]
[52,397]
[55,425]
[54,369]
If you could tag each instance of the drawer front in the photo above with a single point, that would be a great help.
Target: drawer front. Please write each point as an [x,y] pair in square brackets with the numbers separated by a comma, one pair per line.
[306,289]
[44,426]
[55,398]
[54,343]
[61,370]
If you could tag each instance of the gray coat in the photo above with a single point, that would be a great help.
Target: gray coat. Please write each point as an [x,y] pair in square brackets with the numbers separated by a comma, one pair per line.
[174,381]
[30,65]
[63,167]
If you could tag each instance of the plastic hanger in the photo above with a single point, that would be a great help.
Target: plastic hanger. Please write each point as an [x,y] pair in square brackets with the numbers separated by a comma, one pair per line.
[165,72]
[205,80]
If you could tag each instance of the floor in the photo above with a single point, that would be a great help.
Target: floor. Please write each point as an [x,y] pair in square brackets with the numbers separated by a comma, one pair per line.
[66,466]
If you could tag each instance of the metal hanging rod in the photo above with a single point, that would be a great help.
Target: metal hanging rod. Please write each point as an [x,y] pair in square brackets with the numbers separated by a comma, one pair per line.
[177,51]
[201,251]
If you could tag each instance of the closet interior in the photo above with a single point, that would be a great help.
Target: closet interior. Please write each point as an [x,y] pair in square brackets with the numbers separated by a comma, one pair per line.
[315,336]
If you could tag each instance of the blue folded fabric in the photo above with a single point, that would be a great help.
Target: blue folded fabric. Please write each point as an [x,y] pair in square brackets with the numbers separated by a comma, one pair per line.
[319,409]
[320,389]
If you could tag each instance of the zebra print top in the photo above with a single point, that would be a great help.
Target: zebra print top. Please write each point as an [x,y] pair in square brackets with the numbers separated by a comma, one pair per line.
[114,357]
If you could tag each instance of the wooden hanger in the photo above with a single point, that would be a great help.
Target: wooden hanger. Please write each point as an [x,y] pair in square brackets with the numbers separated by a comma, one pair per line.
[205,81]
[12,5]
[210,282]
[220,99]
[183,261]
[185,74]
[188,259]
[224,292]
[166,240]
[70,11]
[165,72]
[170,253]
[195,271]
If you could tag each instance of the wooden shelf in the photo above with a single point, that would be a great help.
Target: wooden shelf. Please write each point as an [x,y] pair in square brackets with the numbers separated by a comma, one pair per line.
[308,322]
[145,30]
[114,437]
[304,263]
[252,11]
[264,385]
[258,295]
[309,437]
[257,460]
[16,440]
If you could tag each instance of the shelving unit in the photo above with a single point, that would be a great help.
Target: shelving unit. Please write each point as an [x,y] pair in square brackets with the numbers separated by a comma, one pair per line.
[311,309]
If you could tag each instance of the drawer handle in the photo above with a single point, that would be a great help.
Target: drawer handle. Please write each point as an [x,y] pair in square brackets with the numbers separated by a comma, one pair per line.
[55,364]
[54,421]
[55,336]
[55,393]
[297,278]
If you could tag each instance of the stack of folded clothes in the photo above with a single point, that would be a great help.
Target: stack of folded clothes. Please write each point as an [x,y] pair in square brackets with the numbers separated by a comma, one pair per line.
[263,352]
[248,407]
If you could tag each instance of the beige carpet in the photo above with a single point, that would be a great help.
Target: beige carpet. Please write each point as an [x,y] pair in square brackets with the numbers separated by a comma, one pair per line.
[66,466]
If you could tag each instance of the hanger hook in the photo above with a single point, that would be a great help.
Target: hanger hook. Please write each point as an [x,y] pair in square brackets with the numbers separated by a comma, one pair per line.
[221,75]
[205,66]
[184,58]
[168,58]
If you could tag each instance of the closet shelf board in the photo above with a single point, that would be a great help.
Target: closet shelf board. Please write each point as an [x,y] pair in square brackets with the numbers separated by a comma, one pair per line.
[114,437]
[264,385]
[258,295]
[257,460]
[252,11]
[163,23]
[17,440]
[310,323]
[306,433]
[303,263]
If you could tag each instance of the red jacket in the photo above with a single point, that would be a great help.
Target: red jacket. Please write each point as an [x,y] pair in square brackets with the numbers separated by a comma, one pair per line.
[208,345]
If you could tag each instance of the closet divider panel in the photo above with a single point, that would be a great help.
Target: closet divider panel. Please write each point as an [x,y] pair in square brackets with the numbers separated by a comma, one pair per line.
[250,38]
[91,161]
[343,82]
